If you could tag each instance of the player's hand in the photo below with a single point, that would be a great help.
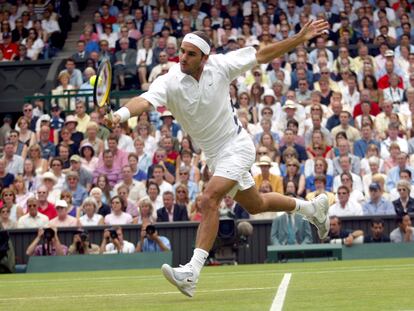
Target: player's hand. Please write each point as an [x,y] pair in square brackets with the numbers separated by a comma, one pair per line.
[110,121]
[313,29]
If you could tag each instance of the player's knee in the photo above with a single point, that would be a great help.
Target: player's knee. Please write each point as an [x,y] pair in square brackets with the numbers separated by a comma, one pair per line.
[255,207]
[209,202]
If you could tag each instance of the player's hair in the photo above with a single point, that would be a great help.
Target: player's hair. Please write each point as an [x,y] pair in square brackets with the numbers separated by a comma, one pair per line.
[203,36]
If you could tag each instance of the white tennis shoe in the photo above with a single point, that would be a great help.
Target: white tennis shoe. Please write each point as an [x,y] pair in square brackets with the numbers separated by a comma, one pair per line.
[320,218]
[183,278]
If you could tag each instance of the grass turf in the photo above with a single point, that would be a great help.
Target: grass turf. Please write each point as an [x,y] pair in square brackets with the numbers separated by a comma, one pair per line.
[336,285]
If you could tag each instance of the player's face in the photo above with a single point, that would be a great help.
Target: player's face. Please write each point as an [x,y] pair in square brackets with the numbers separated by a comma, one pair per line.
[191,59]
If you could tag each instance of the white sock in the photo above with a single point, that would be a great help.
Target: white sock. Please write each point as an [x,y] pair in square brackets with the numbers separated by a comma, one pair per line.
[304,208]
[198,260]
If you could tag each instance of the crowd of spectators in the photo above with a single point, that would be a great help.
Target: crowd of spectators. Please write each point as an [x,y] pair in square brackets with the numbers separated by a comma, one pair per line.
[335,115]
[32,30]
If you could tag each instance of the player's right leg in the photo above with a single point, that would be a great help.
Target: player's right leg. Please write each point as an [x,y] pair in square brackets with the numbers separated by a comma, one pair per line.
[185,277]
[315,211]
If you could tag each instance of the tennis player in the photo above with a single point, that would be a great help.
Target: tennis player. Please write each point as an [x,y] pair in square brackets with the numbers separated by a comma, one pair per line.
[196,91]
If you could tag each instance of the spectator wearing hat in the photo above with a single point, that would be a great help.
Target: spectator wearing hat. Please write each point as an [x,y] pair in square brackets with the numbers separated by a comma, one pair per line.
[9,49]
[71,123]
[405,203]
[275,181]
[82,117]
[63,219]
[377,204]
[49,180]
[345,206]
[85,176]
[64,88]
[33,219]
[56,122]
[73,185]
[292,111]
[168,120]
[89,161]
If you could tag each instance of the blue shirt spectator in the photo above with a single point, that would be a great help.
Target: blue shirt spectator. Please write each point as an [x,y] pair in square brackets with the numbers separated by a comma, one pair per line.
[361,145]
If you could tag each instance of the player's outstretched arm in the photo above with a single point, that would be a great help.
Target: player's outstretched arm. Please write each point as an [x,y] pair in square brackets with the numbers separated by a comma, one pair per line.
[310,30]
[134,107]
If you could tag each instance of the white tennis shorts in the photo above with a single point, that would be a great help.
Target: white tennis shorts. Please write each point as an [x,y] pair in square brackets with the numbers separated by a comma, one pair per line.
[235,161]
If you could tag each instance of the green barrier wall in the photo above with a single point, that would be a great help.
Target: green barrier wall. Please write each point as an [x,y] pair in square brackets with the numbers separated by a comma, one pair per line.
[98,262]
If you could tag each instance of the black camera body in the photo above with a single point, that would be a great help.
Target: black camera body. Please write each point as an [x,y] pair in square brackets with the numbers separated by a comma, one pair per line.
[49,234]
[113,233]
[84,236]
[150,229]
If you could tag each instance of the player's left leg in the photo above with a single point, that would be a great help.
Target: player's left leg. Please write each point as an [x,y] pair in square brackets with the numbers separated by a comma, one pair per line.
[186,277]
[315,211]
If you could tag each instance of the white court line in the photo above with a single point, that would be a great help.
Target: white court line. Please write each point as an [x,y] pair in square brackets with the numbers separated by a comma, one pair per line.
[244,289]
[279,300]
[4,282]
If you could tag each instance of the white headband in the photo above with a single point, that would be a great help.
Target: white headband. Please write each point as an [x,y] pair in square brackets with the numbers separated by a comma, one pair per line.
[198,42]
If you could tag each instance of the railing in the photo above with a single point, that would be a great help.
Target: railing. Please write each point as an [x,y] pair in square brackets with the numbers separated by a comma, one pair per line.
[182,237]
[71,96]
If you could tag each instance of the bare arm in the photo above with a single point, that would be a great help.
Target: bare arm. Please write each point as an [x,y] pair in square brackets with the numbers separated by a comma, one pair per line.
[136,106]
[277,49]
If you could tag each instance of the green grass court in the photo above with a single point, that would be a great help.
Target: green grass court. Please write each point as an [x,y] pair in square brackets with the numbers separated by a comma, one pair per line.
[329,285]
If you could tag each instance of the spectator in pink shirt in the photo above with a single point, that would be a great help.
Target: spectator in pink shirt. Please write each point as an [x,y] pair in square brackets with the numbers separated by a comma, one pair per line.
[118,215]
[63,219]
[120,156]
[50,244]
[108,168]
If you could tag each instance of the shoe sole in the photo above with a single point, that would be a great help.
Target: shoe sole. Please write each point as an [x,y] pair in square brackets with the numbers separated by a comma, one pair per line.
[169,275]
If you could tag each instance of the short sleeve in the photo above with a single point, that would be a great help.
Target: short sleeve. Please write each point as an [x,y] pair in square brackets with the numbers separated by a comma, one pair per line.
[239,61]
[157,93]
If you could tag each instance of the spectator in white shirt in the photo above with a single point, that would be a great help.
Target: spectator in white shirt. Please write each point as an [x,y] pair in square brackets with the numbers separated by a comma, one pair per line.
[33,219]
[113,242]
[345,206]
[90,218]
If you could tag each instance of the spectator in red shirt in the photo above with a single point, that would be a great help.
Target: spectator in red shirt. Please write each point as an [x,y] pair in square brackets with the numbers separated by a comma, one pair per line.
[45,207]
[384,81]
[106,17]
[10,50]
[168,144]
[366,97]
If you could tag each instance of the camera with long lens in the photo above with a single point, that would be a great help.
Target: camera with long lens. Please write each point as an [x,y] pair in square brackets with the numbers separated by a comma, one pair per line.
[150,229]
[48,234]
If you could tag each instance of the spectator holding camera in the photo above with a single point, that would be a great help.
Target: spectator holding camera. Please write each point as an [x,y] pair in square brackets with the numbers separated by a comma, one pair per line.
[49,244]
[150,240]
[113,242]
[81,245]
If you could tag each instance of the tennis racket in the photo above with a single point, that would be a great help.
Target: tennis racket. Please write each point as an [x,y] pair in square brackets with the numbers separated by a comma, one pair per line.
[102,88]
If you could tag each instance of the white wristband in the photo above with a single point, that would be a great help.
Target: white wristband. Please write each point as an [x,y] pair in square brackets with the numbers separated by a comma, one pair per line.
[123,113]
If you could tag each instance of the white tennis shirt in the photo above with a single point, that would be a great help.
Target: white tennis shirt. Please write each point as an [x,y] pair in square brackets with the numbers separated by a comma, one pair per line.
[203,107]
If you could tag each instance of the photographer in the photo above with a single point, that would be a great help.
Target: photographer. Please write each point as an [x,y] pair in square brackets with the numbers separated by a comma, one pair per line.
[81,245]
[151,241]
[114,243]
[50,244]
